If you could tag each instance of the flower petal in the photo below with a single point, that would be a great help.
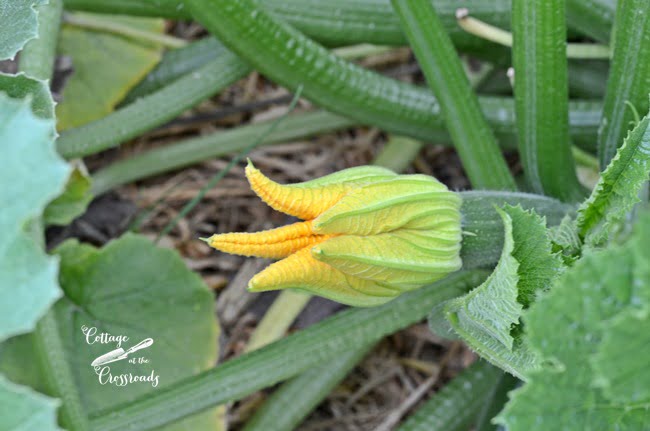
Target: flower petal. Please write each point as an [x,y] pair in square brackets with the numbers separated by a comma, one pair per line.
[309,199]
[274,243]
[301,271]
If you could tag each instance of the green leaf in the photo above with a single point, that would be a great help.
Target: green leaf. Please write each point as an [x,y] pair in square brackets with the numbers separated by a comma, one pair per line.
[22,409]
[20,86]
[106,67]
[19,25]
[130,288]
[619,364]
[603,214]
[565,240]
[487,318]
[73,202]
[538,266]
[588,313]
[28,284]
[491,310]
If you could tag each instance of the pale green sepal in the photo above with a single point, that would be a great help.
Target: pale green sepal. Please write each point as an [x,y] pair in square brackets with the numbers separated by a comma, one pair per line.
[350,176]
[389,205]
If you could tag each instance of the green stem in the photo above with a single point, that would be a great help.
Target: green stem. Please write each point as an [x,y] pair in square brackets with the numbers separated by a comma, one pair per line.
[153,110]
[472,137]
[495,401]
[542,98]
[502,37]
[584,118]
[283,359]
[289,405]
[88,21]
[37,58]
[345,22]
[629,76]
[194,150]
[456,405]
[55,367]
[363,95]
[289,58]
[333,22]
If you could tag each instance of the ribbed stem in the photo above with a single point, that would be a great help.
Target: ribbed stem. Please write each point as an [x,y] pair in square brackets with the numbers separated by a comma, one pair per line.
[541,98]
[472,137]
[629,77]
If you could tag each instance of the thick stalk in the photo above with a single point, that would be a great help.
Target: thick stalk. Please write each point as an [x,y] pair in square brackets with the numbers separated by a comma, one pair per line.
[471,135]
[290,405]
[290,58]
[629,77]
[584,123]
[55,367]
[342,22]
[194,150]
[456,406]
[542,96]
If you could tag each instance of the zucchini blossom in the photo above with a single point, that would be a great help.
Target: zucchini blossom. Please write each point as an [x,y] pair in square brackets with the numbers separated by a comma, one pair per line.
[368,235]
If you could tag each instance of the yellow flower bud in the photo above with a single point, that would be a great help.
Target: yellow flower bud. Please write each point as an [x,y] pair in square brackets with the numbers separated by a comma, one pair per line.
[368,235]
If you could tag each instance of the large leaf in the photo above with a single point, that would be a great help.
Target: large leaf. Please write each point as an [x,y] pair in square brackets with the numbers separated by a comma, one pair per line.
[106,67]
[602,215]
[583,330]
[22,409]
[487,318]
[617,365]
[19,24]
[32,174]
[133,289]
